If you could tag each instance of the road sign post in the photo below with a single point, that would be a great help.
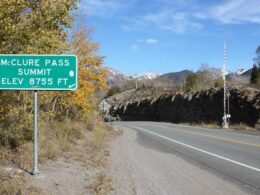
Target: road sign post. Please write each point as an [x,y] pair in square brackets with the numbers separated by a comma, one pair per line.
[38,73]
[35,169]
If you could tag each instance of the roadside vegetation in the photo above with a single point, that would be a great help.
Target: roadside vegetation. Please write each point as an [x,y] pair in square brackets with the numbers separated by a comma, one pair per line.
[255,75]
[113,90]
[45,27]
[203,79]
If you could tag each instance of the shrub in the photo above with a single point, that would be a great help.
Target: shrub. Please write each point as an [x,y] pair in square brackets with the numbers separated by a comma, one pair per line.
[113,90]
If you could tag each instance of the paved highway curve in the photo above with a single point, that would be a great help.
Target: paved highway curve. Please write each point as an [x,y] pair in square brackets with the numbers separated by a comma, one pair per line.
[231,154]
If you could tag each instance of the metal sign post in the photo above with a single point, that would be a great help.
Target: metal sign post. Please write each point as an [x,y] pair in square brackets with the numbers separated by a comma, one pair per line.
[35,169]
[35,73]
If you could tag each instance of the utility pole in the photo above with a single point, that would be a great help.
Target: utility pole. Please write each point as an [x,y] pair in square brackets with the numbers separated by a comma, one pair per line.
[224,123]
[228,114]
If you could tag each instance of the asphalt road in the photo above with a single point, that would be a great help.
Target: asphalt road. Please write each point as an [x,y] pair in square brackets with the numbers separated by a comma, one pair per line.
[228,154]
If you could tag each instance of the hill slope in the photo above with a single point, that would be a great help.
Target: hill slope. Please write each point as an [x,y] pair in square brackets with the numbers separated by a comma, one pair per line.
[177,77]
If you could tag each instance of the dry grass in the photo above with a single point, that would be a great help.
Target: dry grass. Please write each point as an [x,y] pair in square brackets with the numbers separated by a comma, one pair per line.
[54,138]
[84,142]
[242,126]
[95,153]
[209,125]
[14,183]
[101,186]
[5,154]
[212,125]
[92,122]
[98,146]
[10,183]
[94,150]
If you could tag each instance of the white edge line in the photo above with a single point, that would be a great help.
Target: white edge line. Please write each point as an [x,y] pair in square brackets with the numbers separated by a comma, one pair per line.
[200,150]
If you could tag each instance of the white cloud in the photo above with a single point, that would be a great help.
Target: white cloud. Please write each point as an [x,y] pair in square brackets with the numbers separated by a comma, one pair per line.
[152,41]
[104,8]
[234,12]
[176,2]
[178,16]
[170,20]
[148,41]
[166,19]
[140,42]
[181,17]
[180,23]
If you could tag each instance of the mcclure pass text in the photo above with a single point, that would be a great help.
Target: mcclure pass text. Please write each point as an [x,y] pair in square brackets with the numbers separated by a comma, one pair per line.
[38,72]
[33,62]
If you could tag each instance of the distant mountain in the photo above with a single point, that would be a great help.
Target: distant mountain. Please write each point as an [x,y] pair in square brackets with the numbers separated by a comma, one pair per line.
[146,76]
[116,76]
[241,71]
[177,77]
[247,73]
[241,76]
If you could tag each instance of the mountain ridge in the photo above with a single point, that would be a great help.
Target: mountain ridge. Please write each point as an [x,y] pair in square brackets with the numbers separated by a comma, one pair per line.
[115,76]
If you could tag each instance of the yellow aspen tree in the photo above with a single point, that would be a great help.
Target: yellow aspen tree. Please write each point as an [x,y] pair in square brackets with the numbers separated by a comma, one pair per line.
[92,75]
[29,27]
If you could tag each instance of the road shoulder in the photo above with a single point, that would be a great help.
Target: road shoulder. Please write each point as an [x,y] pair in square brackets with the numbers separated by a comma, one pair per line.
[137,168]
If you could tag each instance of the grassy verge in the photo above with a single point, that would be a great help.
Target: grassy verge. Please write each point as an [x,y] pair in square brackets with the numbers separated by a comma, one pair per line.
[10,183]
[102,185]
[98,154]
[242,126]
[54,138]
[208,125]
[85,142]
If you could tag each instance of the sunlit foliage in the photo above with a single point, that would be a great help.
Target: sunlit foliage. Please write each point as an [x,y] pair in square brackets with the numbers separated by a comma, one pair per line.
[41,27]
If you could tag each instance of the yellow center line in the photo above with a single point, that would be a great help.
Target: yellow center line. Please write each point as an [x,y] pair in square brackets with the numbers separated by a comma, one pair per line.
[218,138]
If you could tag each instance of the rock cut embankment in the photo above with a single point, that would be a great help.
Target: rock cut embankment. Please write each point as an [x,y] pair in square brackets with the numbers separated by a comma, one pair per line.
[193,107]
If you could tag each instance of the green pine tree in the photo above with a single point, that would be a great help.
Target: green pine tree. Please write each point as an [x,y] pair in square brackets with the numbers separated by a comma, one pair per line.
[257,58]
[255,74]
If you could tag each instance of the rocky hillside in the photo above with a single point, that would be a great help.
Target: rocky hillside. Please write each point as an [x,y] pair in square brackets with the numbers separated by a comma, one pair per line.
[194,107]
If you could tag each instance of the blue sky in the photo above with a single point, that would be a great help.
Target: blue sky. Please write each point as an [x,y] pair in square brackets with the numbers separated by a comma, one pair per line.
[137,36]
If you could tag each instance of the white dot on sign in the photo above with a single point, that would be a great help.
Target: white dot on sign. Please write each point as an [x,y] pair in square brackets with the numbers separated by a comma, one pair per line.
[71,73]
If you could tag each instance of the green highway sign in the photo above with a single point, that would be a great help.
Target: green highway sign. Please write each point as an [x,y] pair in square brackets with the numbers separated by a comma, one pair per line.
[38,72]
